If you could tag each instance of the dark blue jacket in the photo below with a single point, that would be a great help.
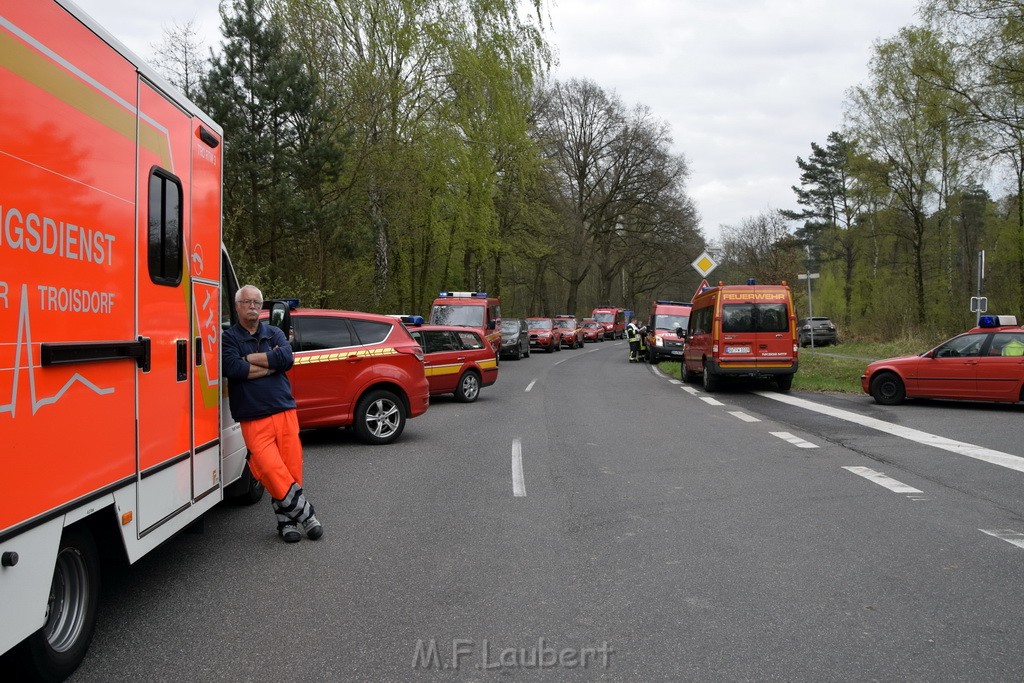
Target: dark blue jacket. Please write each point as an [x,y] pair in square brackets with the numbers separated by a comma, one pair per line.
[255,398]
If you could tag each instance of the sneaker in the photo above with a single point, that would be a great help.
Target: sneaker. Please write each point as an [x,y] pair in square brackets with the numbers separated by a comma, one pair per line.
[290,533]
[313,528]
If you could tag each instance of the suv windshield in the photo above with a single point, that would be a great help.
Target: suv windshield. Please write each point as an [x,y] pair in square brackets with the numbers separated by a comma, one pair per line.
[568,324]
[510,326]
[539,324]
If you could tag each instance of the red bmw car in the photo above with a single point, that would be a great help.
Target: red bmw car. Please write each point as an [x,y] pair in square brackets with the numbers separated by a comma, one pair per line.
[983,364]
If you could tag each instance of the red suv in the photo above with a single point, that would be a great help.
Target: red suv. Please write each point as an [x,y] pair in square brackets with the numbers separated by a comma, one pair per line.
[356,369]
[458,360]
[544,335]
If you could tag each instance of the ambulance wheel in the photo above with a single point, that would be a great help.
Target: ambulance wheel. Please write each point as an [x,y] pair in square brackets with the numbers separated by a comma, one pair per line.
[709,380]
[379,417]
[785,382]
[887,388]
[53,652]
[469,387]
[246,491]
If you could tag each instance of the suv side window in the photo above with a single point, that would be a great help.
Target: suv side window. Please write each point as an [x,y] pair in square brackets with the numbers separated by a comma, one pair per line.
[370,331]
[316,334]
[470,340]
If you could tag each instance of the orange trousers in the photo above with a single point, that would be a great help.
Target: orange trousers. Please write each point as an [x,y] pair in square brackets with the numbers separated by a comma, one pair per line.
[275,451]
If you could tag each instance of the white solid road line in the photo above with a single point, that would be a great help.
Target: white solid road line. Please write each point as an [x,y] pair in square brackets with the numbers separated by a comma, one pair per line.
[883,480]
[1006,460]
[518,485]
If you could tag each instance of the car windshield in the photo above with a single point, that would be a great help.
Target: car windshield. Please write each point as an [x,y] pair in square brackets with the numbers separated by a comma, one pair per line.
[564,323]
[465,315]
[539,324]
[670,322]
[604,317]
[510,326]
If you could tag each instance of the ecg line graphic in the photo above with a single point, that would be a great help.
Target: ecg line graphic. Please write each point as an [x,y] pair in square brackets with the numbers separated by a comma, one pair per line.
[24,341]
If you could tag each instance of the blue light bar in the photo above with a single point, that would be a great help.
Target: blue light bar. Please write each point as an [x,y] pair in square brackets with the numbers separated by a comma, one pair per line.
[462,295]
[997,321]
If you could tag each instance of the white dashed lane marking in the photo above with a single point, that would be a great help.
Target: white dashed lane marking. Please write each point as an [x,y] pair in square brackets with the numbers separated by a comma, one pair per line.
[743,416]
[883,480]
[518,483]
[795,440]
[1009,535]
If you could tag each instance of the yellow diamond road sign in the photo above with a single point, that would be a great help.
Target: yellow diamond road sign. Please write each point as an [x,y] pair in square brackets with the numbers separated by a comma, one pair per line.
[704,264]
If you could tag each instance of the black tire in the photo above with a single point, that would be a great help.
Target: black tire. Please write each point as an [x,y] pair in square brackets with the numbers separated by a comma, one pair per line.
[379,417]
[785,382]
[688,375]
[53,652]
[709,380]
[246,491]
[887,388]
[519,353]
[468,389]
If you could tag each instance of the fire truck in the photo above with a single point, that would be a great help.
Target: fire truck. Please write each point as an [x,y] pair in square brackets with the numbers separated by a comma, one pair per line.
[113,288]
[470,309]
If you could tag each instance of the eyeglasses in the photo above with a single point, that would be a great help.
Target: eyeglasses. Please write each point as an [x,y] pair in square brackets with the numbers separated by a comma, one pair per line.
[250,302]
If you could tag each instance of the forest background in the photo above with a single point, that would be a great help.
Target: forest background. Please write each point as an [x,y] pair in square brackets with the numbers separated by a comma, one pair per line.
[380,151]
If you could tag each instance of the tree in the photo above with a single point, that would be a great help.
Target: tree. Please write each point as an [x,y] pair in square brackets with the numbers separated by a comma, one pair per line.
[178,58]
[904,123]
[280,150]
[828,191]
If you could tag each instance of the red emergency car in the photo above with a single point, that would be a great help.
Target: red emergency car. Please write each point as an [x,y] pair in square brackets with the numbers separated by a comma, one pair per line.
[458,360]
[985,363]
[356,369]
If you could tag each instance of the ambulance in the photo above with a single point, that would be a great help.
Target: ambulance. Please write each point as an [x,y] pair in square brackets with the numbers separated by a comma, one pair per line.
[742,331]
[470,309]
[113,288]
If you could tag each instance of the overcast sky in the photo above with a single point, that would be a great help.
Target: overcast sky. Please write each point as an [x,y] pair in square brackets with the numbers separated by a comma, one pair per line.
[746,85]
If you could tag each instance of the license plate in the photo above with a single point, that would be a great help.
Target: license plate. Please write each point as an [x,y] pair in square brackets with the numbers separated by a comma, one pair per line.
[677,353]
[737,349]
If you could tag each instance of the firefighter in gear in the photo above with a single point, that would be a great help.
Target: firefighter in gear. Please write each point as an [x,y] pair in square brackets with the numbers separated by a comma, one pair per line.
[642,352]
[633,337]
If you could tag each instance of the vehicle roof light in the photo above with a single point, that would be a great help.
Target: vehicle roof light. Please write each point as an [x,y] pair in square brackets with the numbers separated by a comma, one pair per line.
[462,295]
[997,321]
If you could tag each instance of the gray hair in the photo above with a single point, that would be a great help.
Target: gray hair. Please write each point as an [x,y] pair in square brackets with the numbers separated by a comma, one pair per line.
[238,294]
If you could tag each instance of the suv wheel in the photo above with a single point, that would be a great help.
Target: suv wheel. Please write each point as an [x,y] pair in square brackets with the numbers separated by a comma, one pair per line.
[379,417]
[469,387]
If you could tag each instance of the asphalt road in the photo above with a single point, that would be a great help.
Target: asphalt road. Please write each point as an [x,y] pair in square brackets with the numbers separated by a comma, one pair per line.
[656,533]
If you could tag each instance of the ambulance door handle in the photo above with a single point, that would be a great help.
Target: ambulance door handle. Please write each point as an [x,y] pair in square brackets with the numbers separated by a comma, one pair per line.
[182,345]
[199,352]
[762,346]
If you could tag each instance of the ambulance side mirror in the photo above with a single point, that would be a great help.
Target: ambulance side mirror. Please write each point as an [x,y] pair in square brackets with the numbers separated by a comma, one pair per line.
[681,333]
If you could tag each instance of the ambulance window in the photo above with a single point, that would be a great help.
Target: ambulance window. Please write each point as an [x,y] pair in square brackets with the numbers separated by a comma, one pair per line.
[165,228]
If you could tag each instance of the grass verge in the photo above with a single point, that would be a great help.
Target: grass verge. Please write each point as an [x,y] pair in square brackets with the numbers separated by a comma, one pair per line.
[835,368]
